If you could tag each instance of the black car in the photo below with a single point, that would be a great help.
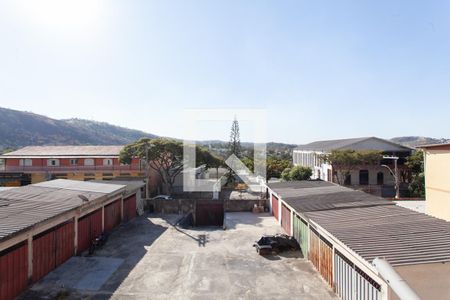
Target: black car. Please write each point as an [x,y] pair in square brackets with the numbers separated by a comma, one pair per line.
[274,244]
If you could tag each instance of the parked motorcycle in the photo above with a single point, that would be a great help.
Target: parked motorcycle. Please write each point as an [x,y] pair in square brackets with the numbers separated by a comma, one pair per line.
[98,242]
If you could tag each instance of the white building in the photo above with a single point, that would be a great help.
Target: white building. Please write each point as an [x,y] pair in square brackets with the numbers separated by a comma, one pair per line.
[309,155]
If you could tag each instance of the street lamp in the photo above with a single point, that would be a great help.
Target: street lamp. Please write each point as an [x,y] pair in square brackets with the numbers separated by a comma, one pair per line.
[394,174]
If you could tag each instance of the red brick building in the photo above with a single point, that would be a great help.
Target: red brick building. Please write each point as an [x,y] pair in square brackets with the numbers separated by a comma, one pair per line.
[35,164]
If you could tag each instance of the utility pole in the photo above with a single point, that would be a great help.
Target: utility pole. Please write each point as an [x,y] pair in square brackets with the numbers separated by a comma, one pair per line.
[147,172]
[394,174]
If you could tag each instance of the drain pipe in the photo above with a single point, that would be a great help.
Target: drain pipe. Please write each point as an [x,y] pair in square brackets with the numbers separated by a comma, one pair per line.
[393,279]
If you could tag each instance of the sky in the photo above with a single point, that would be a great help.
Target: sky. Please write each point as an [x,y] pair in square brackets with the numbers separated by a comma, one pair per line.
[319,69]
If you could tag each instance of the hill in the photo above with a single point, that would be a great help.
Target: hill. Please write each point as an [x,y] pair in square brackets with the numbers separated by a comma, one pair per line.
[414,141]
[18,129]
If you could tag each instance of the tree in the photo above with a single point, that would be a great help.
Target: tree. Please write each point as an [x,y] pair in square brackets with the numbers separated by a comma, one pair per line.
[286,174]
[296,173]
[275,166]
[234,146]
[165,156]
[416,165]
[345,161]
[300,173]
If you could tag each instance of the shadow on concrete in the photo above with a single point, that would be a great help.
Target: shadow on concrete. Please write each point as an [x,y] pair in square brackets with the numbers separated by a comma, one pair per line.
[127,243]
[201,239]
[284,254]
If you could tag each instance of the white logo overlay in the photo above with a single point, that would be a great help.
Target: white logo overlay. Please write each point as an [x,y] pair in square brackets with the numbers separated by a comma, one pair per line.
[257,118]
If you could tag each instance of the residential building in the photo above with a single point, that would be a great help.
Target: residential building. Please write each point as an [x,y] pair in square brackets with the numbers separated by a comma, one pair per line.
[437,184]
[342,231]
[35,164]
[375,179]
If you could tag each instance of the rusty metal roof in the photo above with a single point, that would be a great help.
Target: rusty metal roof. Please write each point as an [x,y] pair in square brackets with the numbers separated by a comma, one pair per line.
[24,207]
[400,235]
[64,151]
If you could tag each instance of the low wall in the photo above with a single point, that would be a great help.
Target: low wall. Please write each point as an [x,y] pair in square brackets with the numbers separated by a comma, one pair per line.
[184,206]
[176,206]
[244,205]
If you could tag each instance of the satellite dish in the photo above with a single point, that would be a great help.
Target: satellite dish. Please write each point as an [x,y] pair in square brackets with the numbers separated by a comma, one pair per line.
[83,197]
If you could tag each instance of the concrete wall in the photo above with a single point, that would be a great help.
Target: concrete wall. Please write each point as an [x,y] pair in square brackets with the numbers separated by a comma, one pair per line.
[244,205]
[429,281]
[184,206]
[437,166]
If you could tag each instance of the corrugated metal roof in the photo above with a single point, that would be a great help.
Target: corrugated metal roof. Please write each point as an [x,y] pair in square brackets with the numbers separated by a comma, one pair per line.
[306,196]
[26,206]
[348,144]
[45,151]
[131,186]
[400,235]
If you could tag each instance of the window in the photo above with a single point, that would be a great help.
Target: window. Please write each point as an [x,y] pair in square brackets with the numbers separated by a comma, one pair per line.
[53,162]
[364,177]
[25,162]
[107,162]
[380,178]
[88,162]
[74,162]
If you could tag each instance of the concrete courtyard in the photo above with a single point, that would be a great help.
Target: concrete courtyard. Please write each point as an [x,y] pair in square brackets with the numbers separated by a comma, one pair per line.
[149,258]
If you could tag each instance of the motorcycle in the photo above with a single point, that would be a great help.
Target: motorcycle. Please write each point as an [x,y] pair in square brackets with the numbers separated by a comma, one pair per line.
[98,242]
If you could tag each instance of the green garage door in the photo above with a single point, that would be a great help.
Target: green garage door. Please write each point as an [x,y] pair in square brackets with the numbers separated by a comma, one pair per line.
[301,234]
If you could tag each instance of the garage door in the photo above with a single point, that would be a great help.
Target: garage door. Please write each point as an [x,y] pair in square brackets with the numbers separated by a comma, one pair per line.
[209,214]
[353,283]
[286,219]
[326,260]
[13,270]
[301,234]
[51,248]
[129,208]
[89,227]
[112,215]
[314,249]
[275,207]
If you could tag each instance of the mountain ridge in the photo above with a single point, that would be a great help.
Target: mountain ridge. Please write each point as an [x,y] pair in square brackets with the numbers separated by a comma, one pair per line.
[19,129]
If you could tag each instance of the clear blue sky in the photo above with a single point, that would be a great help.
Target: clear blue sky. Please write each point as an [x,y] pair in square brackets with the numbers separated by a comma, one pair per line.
[322,69]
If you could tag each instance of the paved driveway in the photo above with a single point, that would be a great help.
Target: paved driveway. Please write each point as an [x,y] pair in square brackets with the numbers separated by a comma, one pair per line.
[150,259]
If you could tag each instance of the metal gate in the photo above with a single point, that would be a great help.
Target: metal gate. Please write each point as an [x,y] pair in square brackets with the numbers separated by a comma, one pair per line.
[112,215]
[326,261]
[13,270]
[351,283]
[275,207]
[129,208]
[89,227]
[314,250]
[51,248]
[301,234]
[286,219]
[209,213]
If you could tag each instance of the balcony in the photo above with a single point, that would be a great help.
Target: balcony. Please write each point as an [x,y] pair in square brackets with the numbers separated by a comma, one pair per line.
[58,169]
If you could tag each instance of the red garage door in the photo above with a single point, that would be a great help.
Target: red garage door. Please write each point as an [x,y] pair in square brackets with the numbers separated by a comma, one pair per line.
[286,219]
[275,207]
[51,248]
[112,215]
[13,270]
[209,213]
[89,227]
[129,208]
